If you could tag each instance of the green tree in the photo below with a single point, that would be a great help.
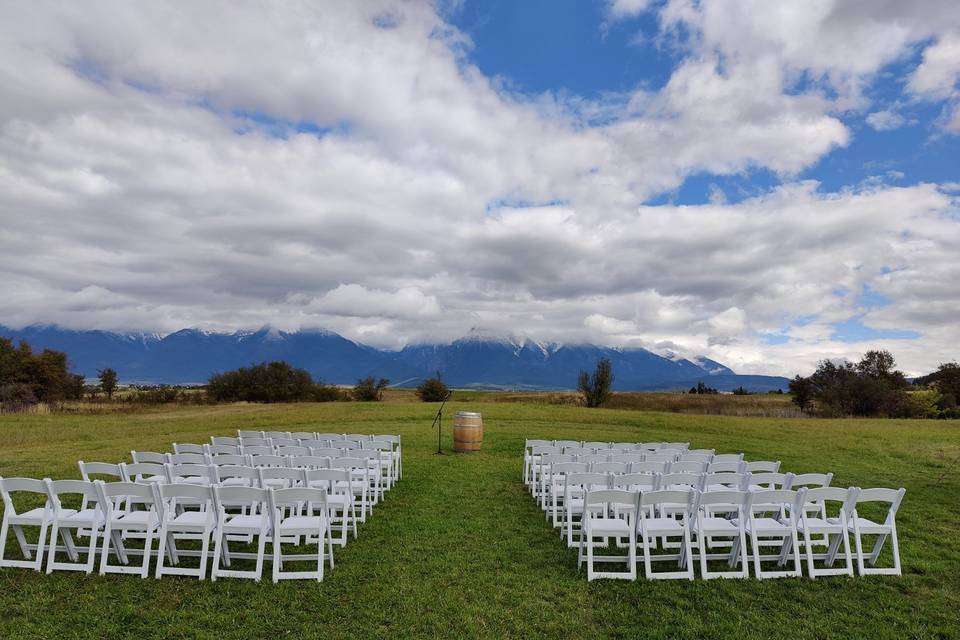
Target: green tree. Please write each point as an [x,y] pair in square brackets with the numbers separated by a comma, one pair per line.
[370,390]
[433,389]
[595,388]
[108,381]
[802,391]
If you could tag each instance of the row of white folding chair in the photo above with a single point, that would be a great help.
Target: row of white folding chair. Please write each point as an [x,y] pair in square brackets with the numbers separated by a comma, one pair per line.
[561,475]
[281,515]
[687,514]
[367,482]
[305,438]
[533,448]
[383,478]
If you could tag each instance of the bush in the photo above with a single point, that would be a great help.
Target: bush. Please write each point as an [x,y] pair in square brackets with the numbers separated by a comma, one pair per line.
[702,389]
[16,397]
[46,374]
[871,387]
[368,390]
[433,390]
[328,393]
[921,404]
[267,382]
[596,388]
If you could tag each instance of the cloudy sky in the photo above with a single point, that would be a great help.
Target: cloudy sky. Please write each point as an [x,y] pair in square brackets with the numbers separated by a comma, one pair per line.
[766,183]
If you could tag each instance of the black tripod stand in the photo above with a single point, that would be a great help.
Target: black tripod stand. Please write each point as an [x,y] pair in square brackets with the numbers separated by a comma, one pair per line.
[438,420]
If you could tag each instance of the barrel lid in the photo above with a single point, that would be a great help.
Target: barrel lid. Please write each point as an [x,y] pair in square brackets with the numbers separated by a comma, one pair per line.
[468,414]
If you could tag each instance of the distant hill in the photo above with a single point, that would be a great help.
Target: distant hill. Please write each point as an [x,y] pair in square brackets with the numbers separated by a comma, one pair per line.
[478,360]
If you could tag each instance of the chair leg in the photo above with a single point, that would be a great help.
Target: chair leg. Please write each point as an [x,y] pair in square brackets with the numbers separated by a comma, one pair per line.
[147,544]
[161,549]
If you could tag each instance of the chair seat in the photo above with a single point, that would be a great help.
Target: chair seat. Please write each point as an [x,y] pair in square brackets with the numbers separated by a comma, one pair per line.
[243,521]
[869,526]
[35,515]
[276,483]
[301,522]
[609,526]
[137,518]
[79,518]
[236,482]
[768,525]
[662,524]
[339,498]
[190,480]
[716,524]
[193,518]
[820,524]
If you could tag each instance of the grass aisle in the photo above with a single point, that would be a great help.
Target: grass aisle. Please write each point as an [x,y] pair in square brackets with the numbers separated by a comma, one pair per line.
[459,549]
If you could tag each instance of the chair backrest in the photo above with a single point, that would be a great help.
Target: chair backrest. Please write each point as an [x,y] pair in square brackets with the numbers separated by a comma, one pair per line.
[225,440]
[545,450]
[379,445]
[891,496]
[728,457]
[326,452]
[237,471]
[303,435]
[648,446]
[593,458]
[660,457]
[256,442]
[741,499]
[328,478]
[530,444]
[291,475]
[566,443]
[585,481]
[772,480]
[740,481]
[295,497]
[330,436]
[611,467]
[622,447]
[9,486]
[695,457]
[348,463]
[393,439]
[678,446]
[268,461]
[190,492]
[226,497]
[667,451]
[309,462]
[709,452]
[293,451]
[812,480]
[276,434]
[824,496]
[187,458]
[265,450]
[787,499]
[344,444]
[357,437]
[56,488]
[671,497]
[669,481]
[188,447]
[649,467]
[578,451]
[558,469]
[597,503]
[230,459]
[763,466]
[627,457]
[547,460]
[248,433]
[688,466]
[596,445]
[221,449]
[107,469]
[189,470]
[285,442]
[633,481]
[725,467]
[142,493]
[148,456]
[137,471]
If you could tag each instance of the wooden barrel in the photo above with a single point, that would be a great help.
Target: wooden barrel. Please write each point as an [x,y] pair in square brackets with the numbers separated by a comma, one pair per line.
[467,432]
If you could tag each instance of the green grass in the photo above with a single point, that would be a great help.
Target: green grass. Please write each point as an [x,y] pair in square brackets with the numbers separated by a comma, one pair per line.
[459,549]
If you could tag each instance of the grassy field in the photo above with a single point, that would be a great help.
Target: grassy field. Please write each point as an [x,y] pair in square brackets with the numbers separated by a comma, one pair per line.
[459,549]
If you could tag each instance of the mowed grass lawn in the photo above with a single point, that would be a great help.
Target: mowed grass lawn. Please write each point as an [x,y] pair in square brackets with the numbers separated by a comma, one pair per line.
[459,549]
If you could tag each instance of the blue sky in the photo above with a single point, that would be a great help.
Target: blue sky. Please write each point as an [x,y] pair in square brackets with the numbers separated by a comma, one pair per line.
[764,183]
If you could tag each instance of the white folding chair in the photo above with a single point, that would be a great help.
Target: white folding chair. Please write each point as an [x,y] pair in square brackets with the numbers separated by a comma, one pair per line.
[91,471]
[861,526]
[764,526]
[289,521]
[397,453]
[267,461]
[144,523]
[359,482]
[236,476]
[214,450]
[230,459]
[666,514]
[257,450]
[65,521]
[177,520]
[689,466]
[252,518]
[555,487]
[309,462]
[575,488]
[647,467]
[189,473]
[340,500]
[279,477]
[528,456]
[287,451]
[726,466]
[832,528]
[146,472]
[17,520]
[707,526]
[609,513]
[187,458]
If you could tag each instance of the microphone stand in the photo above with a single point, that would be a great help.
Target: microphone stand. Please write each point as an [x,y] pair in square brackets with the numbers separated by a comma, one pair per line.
[438,420]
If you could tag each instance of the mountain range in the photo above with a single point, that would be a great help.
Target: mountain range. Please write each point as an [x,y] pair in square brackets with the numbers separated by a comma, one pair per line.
[478,360]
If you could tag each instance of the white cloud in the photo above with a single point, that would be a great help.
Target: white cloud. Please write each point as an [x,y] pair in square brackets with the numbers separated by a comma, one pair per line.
[143,183]
[885,120]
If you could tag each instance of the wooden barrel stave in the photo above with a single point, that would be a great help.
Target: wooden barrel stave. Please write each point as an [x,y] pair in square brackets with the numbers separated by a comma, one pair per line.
[467,432]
